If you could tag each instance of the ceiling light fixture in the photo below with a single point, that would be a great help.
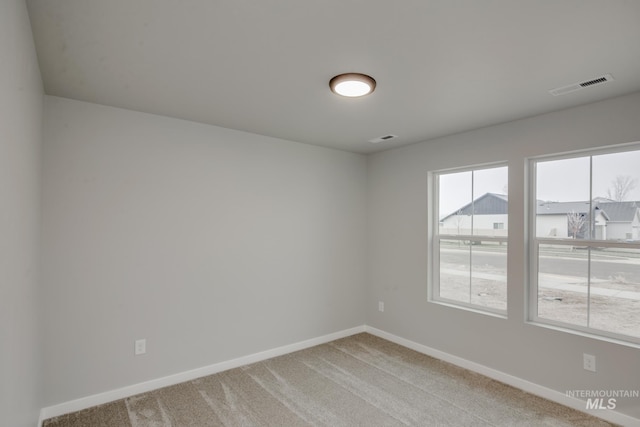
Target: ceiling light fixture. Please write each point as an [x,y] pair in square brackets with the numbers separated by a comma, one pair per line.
[352,85]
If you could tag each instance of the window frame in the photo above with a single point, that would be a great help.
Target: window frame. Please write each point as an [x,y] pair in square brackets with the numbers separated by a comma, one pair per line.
[434,238]
[534,242]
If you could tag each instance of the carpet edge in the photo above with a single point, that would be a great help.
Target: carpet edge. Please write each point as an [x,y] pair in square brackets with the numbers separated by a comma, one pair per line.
[527,386]
[146,386]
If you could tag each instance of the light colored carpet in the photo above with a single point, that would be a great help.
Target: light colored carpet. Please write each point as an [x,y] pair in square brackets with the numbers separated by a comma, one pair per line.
[361,380]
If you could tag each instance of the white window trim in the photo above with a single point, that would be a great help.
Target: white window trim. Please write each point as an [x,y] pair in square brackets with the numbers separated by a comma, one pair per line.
[534,242]
[434,237]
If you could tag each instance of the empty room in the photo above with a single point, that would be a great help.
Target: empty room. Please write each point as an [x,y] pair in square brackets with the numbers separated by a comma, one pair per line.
[329,213]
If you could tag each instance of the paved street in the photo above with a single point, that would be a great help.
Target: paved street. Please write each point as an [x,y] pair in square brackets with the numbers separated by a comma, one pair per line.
[556,272]
[629,269]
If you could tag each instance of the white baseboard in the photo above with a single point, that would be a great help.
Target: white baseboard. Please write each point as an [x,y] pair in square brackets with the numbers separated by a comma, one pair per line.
[538,390]
[121,393]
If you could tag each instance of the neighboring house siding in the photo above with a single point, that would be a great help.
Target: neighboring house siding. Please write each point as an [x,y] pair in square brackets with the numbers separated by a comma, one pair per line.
[552,226]
[619,231]
[483,224]
[456,224]
[624,220]
[489,213]
[557,225]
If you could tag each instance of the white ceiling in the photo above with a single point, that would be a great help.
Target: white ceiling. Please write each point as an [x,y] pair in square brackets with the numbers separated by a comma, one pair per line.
[263,66]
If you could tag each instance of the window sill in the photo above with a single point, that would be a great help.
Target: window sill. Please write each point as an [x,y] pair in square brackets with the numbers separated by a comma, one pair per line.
[500,314]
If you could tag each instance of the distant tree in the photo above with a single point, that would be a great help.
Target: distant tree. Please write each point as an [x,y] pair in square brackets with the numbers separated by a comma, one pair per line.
[459,219]
[621,186]
[575,222]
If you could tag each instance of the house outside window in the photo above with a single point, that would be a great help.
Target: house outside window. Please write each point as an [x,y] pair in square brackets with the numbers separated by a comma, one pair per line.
[584,242]
[468,238]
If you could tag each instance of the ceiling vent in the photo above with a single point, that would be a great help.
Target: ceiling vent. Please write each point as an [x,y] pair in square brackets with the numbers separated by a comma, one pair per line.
[382,139]
[578,86]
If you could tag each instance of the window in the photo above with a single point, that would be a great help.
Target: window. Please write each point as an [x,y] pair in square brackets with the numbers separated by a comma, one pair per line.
[468,238]
[585,245]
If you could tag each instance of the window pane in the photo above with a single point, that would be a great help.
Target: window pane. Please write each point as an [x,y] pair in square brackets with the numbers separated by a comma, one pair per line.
[455,270]
[591,197]
[615,290]
[474,273]
[472,203]
[562,198]
[456,224]
[563,283]
[490,201]
[474,199]
[489,274]
[616,176]
[616,190]
[455,193]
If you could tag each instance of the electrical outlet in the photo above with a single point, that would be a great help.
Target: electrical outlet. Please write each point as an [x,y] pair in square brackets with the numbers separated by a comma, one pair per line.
[380,306]
[140,347]
[589,362]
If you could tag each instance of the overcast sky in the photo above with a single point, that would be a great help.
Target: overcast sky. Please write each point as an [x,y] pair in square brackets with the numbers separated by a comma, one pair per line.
[558,180]
[455,188]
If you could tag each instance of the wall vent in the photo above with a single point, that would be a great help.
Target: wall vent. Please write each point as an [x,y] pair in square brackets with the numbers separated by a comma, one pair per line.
[382,138]
[578,86]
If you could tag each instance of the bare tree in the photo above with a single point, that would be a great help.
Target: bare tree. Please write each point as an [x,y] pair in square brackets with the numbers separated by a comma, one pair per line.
[459,219]
[621,186]
[575,222]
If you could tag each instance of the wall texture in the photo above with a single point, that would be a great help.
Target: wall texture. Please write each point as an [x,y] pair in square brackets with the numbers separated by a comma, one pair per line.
[397,257]
[210,243]
[20,146]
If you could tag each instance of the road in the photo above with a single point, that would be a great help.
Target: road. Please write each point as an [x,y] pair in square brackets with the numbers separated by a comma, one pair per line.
[627,270]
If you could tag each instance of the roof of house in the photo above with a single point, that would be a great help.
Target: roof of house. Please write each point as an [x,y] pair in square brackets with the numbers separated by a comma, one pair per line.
[612,210]
[487,204]
[620,211]
[497,204]
[561,208]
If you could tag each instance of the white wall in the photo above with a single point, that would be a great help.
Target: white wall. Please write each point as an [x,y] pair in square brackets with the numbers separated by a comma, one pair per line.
[397,258]
[20,145]
[210,243]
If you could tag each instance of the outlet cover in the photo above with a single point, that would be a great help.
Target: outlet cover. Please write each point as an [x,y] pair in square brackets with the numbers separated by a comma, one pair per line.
[140,347]
[589,362]
[380,306]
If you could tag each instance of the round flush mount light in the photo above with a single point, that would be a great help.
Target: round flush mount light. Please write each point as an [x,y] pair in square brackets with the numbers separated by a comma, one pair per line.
[352,85]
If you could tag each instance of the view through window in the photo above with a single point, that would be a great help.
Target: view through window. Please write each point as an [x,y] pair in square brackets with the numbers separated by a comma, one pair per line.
[585,243]
[470,238]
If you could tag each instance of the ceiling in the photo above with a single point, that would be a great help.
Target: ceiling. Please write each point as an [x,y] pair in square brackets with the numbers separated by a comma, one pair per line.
[263,66]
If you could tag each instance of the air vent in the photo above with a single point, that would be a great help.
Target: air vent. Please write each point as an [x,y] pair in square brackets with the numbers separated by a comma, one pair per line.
[594,81]
[382,138]
[578,86]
